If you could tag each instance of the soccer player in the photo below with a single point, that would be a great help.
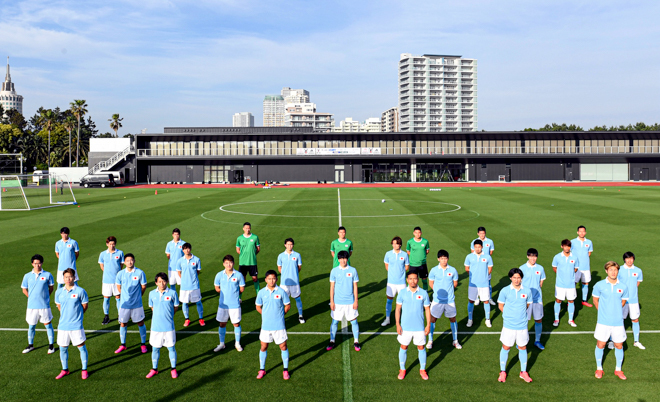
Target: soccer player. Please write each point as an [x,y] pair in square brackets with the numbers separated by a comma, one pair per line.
[443,280]
[488,247]
[512,302]
[67,252]
[341,244]
[479,265]
[418,248]
[344,299]
[289,264]
[632,276]
[164,303]
[131,283]
[610,295]
[174,251]
[533,277]
[581,247]
[188,268]
[396,264]
[229,284]
[412,305]
[272,303]
[110,261]
[565,265]
[72,301]
[37,287]
[247,247]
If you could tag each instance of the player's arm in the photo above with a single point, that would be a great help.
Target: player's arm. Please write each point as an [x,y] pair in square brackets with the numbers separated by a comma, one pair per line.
[386,266]
[77,254]
[500,306]
[431,282]
[332,296]
[118,288]
[287,307]
[279,269]
[84,306]
[217,288]
[144,287]
[467,268]
[355,294]
[541,283]
[25,291]
[455,285]
[259,309]
[491,252]
[554,269]
[241,288]
[101,264]
[596,299]
[490,270]
[50,289]
[258,249]
[238,250]
[397,315]
[427,312]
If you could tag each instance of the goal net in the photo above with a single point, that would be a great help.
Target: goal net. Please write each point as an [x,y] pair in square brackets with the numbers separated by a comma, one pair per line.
[28,192]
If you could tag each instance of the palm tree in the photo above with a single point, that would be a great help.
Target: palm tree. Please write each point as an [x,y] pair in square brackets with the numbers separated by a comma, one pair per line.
[115,122]
[68,124]
[79,109]
[47,118]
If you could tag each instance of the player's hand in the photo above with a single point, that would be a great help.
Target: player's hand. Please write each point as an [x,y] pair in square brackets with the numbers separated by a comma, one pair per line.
[427,330]
[332,306]
[399,330]
[355,305]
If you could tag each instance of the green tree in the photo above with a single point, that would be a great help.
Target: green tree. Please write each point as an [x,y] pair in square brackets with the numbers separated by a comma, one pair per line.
[69,124]
[33,148]
[115,122]
[79,109]
[16,119]
[9,136]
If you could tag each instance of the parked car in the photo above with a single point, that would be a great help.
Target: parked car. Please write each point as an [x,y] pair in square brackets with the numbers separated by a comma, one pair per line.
[119,176]
[102,180]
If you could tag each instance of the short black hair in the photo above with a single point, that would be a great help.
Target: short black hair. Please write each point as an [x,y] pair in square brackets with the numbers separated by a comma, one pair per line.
[69,271]
[532,251]
[627,254]
[514,271]
[411,273]
[565,242]
[129,255]
[398,240]
[581,227]
[443,253]
[64,230]
[342,254]
[271,272]
[247,224]
[481,229]
[479,242]
[41,258]
[417,228]
[289,239]
[186,245]
[162,275]
[176,230]
[341,228]
[228,257]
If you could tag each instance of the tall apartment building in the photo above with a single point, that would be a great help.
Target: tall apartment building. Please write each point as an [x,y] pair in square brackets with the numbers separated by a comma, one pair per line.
[389,120]
[273,111]
[305,115]
[437,93]
[8,96]
[295,95]
[243,119]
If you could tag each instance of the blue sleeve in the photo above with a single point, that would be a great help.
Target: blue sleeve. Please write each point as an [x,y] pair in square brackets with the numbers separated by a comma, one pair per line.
[427,302]
[502,296]
[299,260]
[625,293]
[356,277]
[57,295]
[467,261]
[285,298]
[167,249]
[101,258]
[455,278]
[399,298]
[406,259]
[151,298]
[279,260]
[24,284]
[472,246]
[555,263]
[178,264]
[216,280]
[432,274]
[596,291]
[51,281]
[640,276]
[75,244]
[121,253]
[259,301]
[118,278]
[83,297]
[542,273]
[490,261]
[144,279]
[241,280]
[56,243]
[176,299]
[492,245]
[386,260]
[332,275]
[199,264]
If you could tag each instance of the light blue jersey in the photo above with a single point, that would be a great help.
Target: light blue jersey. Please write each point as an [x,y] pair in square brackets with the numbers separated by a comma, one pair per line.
[488,245]
[581,250]
[188,269]
[71,310]
[631,276]
[162,319]
[479,265]
[532,277]
[443,283]
[37,286]
[412,308]
[344,279]
[67,251]
[396,267]
[610,298]
[175,252]
[290,264]
[230,289]
[111,264]
[565,270]
[272,308]
[131,287]
[515,302]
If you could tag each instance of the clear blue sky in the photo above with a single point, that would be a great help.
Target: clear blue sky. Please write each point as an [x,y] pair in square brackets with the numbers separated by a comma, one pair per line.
[197,62]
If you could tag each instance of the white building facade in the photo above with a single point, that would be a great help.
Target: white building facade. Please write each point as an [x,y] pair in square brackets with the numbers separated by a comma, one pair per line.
[348,125]
[389,120]
[8,96]
[305,115]
[294,95]
[273,111]
[243,119]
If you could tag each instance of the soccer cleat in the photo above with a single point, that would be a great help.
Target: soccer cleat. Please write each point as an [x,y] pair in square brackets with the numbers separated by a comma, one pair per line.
[29,349]
[572,323]
[469,323]
[219,347]
[525,376]
[186,322]
[301,319]
[429,344]
[106,320]
[402,374]
[488,324]
[357,347]
[457,345]
[261,374]
[120,349]
[539,345]
[586,304]
[502,377]
[476,302]
[599,373]
[238,346]
[174,373]
[51,349]
[152,373]
[423,374]
[610,345]
[620,374]
[201,322]
[62,374]
[330,346]
[555,323]
[639,345]
[143,349]
[492,302]
[386,322]
[285,374]
[84,374]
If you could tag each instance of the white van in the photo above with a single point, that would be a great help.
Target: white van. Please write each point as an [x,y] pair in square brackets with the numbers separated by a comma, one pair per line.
[119,176]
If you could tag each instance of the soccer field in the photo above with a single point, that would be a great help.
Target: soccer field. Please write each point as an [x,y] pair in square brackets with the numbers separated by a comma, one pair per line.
[617,220]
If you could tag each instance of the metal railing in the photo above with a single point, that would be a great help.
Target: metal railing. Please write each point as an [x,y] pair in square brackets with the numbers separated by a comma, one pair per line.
[107,164]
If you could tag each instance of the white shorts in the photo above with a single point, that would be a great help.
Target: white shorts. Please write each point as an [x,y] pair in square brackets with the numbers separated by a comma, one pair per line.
[344,310]
[449,310]
[535,309]
[175,279]
[604,332]
[109,289]
[482,293]
[583,276]
[190,296]
[43,315]
[292,291]
[278,336]
[134,314]
[60,277]
[64,338]
[392,290]
[509,337]
[417,337]
[224,314]
[628,308]
[160,339]
[565,293]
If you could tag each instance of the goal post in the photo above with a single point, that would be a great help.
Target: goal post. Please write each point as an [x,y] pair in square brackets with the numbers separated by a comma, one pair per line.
[12,196]
[30,192]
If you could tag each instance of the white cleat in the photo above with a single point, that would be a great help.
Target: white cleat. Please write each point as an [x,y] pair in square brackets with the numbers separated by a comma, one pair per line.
[28,349]
[610,345]
[429,345]
[639,345]
[572,324]
[492,302]
[386,322]
[457,345]
[219,347]
[238,347]
[555,323]
[469,323]
[488,324]
[476,302]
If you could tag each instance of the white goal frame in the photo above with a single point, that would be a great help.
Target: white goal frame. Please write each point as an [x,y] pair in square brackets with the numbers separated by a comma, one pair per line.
[54,180]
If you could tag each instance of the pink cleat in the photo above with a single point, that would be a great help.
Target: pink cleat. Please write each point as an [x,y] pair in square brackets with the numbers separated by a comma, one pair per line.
[174,373]
[261,374]
[599,374]
[143,349]
[84,374]
[186,322]
[121,349]
[402,374]
[62,374]
[201,322]
[525,376]
[620,375]
[423,374]
[285,374]
[502,377]
[152,373]
[586,304]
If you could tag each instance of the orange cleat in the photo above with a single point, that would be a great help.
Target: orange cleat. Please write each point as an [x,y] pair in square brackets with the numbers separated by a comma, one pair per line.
[502,377]
[402,374]
[599,374]
[423,374]
[201,322]
[186,322]
[620,375]
[525,376]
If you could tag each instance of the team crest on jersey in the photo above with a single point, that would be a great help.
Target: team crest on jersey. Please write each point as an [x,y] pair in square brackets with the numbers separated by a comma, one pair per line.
[401,258]
[483,260]
[68,245]
[348,274]
[635,274]
[487,245]
[233,279]
[168,298]
[586,245]
[419,297]
[277,296]
[135,278]
[538,272]
[294,258]
[74,296]
[448,273]
[572,261]
[194,263]
[251,240]
[619,290]
[345,245]
[180,247]
[116,257]
[43,278]
[523,296]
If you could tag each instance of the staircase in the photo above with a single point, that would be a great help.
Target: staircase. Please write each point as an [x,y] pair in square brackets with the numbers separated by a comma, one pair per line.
[108,164]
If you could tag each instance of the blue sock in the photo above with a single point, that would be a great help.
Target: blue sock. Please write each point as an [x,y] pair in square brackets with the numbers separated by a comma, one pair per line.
[356,330]
[333,330]
[237,334]
[403,355]
[454,330]
[285,359]
[618,353]
[51,333]
[599,358]
[487,310]
[155,356]
[172,356]
[106,305]
[571,311]
[117,300]
[122,334]
[522,356]
[200,310]
[422,358]
[388,308]
[432,331]
[490,291]
[504,356]
[557,310]
[262,359]
[143,334]
[31,331]
[635,327]
[173,287]
[256,286]
[222,331]
[299,306]
[83,356]
[585,292]
[470,310]
[64,357]
[538,329]
[185,310]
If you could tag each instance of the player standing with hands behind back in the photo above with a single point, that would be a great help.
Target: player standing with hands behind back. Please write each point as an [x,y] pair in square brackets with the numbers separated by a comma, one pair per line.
[582,248]
[417,248]
[247,247]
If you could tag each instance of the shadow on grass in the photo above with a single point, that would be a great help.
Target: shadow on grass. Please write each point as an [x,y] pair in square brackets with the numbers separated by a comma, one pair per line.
[320,350]
[185,392]
[442,346]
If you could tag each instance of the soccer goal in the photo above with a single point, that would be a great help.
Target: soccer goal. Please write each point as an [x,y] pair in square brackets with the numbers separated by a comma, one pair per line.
[29,192]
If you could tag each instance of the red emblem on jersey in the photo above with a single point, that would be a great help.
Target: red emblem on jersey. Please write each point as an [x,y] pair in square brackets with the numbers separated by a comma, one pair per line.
[68,245]
[194,263]
[277,296]
[448,273]
[168,298]
[294,258]
[538,272]
[179,246]
[619,290]
[483,260]
[43,278]
[586,245]
[233,279]
[135,278]
[487,245]
[401,258]
[73,296]
[116,257]
[635,274]
[572,261]
[348,274]
[523,296]
[419,297]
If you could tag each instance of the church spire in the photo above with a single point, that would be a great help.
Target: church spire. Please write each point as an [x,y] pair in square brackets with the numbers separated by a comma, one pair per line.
[7,77]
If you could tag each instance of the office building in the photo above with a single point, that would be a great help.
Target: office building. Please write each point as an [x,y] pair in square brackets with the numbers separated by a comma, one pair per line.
[243,119]
[295,95]
[273,111]
[389,121]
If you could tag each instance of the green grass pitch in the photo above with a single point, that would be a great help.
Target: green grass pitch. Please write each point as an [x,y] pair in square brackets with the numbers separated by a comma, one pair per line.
[617,220]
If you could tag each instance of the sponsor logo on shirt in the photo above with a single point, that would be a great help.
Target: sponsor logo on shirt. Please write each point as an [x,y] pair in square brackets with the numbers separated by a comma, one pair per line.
[168,298]
[619,290]
[419,297]
[346,245]
[251,240]
[277,296]
[348,274]
[135,278]
[233,279]
[74,296]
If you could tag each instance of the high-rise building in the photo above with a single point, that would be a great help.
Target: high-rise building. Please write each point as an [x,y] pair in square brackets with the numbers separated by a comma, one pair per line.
[8,96]
[243,119]
[389,121]
[305,115]
[295,95]
[273,111]
[437,93]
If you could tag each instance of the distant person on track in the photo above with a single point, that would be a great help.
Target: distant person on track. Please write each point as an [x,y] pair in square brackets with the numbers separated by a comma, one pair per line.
[110,261]
[488,249]
[582,248]
[479,265]
[72,301]
[443,279]
[188,268]
[174,252]
[229,284]
[565,265]
[533,278]
[289,264]
[341,244]
[164,303]
[247,247]
[396,265]
[417,248]
[344,299]
[412,307]
[37,286]
[67,253]
[131,283]
[273,303]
